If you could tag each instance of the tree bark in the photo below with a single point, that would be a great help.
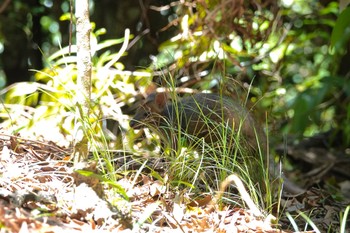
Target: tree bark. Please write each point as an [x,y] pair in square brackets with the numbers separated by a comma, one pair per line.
[83,30]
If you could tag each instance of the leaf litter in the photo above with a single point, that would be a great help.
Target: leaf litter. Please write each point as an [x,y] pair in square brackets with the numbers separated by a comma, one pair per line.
[40,192]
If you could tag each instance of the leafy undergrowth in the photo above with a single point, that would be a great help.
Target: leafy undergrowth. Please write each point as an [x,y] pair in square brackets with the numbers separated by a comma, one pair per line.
[40,192]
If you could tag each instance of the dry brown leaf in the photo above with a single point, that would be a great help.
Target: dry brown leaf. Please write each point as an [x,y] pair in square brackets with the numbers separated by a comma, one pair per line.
[199,202]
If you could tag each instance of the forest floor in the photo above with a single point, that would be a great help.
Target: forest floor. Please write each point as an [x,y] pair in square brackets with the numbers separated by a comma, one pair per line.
[41,192]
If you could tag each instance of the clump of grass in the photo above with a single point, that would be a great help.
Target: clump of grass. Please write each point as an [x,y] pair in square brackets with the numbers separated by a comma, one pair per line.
[203,161]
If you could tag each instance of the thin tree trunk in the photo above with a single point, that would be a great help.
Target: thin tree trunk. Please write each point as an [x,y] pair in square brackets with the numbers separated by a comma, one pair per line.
[83,29]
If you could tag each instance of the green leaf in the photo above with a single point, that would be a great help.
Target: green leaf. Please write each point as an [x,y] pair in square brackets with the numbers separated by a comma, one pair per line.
[120,189]
[109,43]
[343,22]
[24,88]
[65,16]
[63,52]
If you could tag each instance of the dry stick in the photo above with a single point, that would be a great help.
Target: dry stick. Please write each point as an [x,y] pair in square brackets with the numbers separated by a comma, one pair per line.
[244,194]
[70,24]
[27,141]
[4,5]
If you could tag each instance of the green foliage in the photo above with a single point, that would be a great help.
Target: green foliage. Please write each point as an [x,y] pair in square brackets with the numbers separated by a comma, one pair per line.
[285,51]
[49,103]
[311,79]
[285,54]
[120,189]
[340,33]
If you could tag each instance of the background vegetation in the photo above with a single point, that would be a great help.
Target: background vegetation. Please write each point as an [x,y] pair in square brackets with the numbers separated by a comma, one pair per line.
[288,61]
[282,49]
